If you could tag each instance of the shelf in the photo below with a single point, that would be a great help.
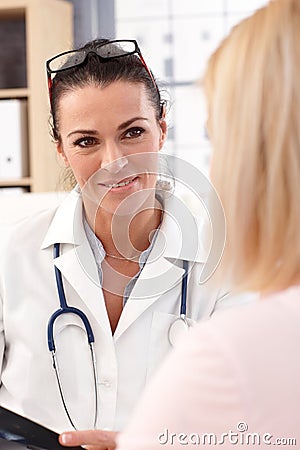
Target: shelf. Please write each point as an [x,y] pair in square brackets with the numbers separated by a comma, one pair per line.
[14,93]
[24,24]
[12,12]
[17,182]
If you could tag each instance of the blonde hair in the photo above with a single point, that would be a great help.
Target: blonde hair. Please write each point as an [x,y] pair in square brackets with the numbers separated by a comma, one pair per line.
[252,84]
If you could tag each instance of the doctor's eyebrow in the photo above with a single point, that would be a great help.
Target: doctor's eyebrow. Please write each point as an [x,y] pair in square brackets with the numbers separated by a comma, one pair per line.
[130,121]
[92,132]
[122,126]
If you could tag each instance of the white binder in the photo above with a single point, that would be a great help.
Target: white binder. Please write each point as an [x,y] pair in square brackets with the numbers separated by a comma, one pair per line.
[14,139]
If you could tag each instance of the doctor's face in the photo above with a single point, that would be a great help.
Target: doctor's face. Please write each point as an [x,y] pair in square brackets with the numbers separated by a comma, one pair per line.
[102,129]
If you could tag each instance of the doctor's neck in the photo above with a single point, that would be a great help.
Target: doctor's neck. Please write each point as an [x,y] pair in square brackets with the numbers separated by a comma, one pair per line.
[125,235]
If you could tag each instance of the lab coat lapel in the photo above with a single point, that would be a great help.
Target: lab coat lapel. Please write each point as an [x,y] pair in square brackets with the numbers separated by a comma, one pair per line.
[155,280]
[78,267]
[76,262]
[177,239]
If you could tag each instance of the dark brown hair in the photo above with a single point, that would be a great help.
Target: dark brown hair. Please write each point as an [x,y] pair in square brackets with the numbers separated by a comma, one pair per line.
[93,71]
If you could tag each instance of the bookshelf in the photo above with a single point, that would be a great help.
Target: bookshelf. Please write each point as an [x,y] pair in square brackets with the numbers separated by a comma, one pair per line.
[31,31]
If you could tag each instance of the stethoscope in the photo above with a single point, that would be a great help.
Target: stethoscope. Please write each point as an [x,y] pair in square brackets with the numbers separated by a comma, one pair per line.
[66,309]
[177,328]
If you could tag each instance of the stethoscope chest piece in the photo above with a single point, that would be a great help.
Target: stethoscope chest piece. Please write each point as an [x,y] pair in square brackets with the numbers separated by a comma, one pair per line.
[177,330]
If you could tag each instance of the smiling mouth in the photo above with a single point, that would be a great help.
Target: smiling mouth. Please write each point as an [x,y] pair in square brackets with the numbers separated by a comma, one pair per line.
[120,184]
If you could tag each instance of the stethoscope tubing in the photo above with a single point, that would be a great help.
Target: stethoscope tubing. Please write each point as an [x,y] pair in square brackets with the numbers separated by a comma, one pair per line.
[185,265]
[65,308]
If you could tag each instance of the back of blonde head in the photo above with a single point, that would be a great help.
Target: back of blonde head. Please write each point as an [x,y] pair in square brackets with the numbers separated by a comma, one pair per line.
[253,92]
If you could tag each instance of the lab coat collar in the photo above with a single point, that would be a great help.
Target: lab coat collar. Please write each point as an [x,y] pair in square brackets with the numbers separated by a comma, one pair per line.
[66,224]
[181,233]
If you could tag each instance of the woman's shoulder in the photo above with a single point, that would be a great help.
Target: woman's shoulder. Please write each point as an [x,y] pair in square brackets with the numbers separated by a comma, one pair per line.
[255,329]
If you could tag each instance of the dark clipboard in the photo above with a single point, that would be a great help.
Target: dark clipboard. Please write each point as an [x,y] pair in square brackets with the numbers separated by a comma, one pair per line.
[28,434]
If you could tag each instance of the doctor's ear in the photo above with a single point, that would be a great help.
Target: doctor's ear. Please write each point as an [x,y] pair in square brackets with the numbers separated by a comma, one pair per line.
[62,154]
[163,126]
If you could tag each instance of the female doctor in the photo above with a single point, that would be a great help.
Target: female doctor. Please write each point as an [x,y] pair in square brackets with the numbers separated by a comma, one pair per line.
[91,290]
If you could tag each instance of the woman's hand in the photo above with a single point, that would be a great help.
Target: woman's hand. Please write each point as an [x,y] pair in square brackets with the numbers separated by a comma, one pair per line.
[89,439]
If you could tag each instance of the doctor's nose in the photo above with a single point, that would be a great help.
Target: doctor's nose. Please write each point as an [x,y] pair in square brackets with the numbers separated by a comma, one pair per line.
[113,160]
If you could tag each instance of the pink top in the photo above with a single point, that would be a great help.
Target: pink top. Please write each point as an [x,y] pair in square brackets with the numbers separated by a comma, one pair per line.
[234,381]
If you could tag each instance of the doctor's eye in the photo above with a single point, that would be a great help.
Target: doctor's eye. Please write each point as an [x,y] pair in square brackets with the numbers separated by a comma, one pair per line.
[134,132]
[85,141]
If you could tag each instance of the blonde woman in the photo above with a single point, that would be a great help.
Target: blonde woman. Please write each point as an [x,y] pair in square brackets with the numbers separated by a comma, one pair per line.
[235,380]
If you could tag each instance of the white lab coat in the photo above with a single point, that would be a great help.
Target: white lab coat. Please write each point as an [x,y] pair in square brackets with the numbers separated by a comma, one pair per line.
[125,360]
